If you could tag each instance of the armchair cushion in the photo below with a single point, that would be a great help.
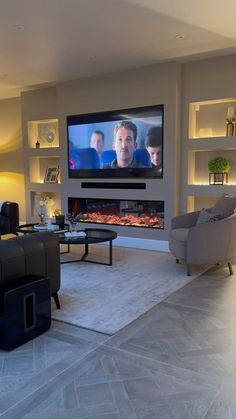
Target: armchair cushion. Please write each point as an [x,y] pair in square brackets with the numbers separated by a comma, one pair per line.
[185,220]
[225,206]
[206,217]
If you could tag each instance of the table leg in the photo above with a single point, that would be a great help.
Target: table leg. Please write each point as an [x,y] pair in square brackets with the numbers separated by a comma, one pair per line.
[110,252]
[86,249]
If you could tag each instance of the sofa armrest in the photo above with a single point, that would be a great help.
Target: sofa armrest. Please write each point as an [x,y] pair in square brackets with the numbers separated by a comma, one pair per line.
[42,256]
[11,211]
[213,242]
[185,221]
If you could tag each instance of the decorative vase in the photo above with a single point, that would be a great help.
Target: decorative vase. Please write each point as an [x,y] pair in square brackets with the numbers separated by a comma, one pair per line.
[42,218]
[230,127]
[73,226]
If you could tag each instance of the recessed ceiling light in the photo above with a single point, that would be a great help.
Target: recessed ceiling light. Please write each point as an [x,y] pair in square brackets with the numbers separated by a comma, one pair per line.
[179,36]
[19,27]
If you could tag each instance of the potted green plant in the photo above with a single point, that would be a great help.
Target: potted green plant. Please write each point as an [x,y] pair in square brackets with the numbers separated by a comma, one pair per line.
[218,168]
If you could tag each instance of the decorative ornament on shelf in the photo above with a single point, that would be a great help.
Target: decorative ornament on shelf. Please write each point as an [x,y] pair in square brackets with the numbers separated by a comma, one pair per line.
[230,122]
[47,133]
[43,209]
[218,169]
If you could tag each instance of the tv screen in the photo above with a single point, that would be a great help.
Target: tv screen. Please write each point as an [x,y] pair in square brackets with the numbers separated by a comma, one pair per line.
[116,144]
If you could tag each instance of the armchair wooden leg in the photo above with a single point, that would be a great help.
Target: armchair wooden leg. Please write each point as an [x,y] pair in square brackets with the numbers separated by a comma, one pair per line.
[231,272]
[188,270]
[56,299]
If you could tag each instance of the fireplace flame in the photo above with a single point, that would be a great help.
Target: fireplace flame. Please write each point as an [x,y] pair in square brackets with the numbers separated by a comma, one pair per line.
[152,221]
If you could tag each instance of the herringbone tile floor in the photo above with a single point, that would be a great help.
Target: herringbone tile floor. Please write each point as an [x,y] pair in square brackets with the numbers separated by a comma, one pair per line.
[176,361]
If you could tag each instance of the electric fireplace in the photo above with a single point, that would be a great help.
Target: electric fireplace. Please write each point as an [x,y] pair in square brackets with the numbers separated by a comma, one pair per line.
[129,213]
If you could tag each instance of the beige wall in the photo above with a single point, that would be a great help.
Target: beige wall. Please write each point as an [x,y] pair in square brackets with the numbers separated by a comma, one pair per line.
[171,84]
[11,154]
[147,86]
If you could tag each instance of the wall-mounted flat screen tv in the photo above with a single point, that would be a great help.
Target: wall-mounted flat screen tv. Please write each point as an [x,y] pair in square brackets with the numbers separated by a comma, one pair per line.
[116,144]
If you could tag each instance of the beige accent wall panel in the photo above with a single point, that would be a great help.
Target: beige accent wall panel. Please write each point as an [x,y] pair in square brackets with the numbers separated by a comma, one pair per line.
[39,111]
[209,89]
[159,84]
[143,87]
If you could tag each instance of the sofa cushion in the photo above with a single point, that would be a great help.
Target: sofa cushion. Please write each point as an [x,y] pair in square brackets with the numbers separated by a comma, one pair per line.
[12,261]
[225,206]
[206,217]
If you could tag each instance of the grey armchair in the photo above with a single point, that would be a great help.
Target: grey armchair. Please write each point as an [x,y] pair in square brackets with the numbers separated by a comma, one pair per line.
[203,243]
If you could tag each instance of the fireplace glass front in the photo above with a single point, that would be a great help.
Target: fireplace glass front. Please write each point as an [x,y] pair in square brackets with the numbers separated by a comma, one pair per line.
[130,213]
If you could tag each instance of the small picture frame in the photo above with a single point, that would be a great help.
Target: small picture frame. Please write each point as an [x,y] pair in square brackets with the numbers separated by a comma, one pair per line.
[52,174]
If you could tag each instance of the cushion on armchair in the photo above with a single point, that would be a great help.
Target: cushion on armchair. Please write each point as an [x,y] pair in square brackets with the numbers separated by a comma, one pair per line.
[225,206]
[206,217]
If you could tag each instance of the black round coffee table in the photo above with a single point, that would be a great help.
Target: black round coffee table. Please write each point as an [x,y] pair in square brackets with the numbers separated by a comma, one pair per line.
[93,235]
[32,228]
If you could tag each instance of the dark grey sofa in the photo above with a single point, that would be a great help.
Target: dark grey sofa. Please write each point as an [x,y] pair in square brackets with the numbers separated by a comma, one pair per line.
[9,217]
[32,254]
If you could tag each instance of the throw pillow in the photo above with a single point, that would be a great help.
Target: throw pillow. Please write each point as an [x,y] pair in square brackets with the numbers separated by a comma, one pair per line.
[206,217]
[225,206]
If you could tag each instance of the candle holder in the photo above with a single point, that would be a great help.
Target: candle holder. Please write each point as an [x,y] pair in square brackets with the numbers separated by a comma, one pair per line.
[230,127]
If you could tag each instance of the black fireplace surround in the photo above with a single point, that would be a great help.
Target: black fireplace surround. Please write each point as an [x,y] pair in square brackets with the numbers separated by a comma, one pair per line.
[129,213]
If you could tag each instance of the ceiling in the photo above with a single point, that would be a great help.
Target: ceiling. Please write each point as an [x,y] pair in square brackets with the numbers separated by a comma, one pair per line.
[47,41]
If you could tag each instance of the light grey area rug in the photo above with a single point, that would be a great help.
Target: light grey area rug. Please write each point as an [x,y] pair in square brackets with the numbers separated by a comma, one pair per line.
[107,298]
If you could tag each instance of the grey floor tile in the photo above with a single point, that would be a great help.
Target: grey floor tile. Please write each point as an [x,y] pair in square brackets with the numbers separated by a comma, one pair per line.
[176,361]
[94,394]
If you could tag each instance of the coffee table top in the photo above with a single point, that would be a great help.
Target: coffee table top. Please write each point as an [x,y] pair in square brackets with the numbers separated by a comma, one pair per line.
[30,228]
[93,235]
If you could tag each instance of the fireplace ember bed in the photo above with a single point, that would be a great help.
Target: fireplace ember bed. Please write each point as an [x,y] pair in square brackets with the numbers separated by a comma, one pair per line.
[129,213]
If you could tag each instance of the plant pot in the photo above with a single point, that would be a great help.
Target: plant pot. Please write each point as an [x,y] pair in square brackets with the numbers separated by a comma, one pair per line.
[218,178]
[60,220]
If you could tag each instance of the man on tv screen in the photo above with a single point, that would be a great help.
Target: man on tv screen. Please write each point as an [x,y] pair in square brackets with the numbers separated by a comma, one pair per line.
[125,136]
[97,141]
[154,147]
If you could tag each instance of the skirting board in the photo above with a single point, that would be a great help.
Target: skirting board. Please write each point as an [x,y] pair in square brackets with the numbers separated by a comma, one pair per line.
[145,244]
